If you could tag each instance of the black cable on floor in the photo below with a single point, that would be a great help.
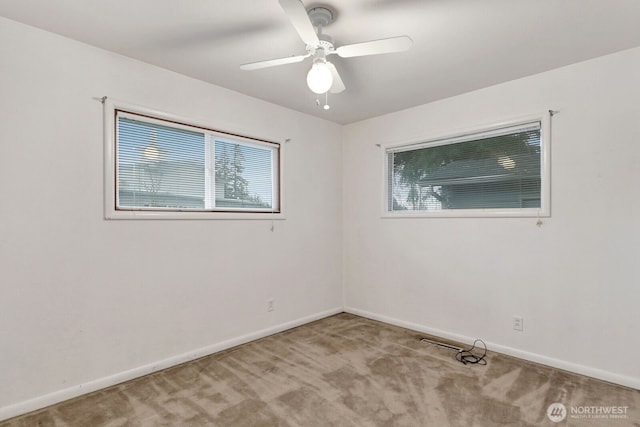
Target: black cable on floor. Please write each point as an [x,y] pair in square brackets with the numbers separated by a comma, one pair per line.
[469,358]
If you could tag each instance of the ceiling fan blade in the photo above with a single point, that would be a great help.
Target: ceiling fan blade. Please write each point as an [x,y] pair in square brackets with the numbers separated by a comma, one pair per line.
[338,85]
[298,16]
[273,62]
[375,47]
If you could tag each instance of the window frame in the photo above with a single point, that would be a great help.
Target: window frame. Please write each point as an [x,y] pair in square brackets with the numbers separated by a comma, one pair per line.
[111,109]
[455,136]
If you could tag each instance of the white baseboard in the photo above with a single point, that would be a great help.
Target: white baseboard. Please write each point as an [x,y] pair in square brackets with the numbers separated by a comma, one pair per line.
[101,383]
[532,357]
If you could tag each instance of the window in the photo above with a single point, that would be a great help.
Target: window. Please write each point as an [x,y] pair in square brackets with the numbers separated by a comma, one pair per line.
[500,171]
[169,169]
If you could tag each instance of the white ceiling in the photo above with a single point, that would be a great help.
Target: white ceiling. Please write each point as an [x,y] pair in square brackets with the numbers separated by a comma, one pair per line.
[459,45]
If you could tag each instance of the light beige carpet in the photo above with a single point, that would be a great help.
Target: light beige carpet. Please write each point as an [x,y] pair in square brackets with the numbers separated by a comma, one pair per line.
[344,371]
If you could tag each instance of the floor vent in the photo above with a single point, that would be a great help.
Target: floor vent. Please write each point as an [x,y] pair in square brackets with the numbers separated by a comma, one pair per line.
[439,344]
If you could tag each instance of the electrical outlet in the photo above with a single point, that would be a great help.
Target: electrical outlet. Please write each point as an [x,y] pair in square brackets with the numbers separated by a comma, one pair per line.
[518,323]
[271,304]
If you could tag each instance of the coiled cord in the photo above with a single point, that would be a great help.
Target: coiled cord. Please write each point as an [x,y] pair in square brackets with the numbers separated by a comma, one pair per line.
[469,358]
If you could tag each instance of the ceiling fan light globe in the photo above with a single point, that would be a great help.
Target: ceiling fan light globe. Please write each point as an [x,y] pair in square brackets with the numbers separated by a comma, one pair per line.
[319,78]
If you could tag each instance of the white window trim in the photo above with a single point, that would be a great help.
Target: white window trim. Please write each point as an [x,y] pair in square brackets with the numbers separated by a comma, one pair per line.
[110,211]
[543,211]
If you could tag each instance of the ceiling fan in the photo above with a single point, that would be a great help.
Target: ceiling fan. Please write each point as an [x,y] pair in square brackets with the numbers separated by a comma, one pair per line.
[323,76]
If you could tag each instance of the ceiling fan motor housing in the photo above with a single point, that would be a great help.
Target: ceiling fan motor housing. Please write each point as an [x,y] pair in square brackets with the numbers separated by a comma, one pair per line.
[326,43]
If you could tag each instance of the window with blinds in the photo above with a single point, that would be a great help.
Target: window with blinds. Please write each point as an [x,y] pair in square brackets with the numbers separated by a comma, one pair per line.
[162,165]
[496,170]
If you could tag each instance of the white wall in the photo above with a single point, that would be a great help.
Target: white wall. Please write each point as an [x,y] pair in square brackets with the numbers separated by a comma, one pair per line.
[575,280]
[82,298]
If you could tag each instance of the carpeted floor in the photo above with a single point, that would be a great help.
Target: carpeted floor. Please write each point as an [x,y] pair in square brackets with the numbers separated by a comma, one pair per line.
[344,371]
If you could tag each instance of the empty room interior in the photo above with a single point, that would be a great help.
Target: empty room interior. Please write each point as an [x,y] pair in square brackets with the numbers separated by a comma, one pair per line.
[337,213]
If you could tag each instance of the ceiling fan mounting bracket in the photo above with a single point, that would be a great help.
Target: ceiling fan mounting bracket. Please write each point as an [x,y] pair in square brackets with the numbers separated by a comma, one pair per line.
[320,16]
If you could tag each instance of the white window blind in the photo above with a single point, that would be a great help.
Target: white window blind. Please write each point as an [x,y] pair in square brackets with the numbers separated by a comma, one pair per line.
[489,170]
[167,166]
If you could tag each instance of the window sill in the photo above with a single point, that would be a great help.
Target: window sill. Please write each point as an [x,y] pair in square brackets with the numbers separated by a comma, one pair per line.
[471,213]
[191,215]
